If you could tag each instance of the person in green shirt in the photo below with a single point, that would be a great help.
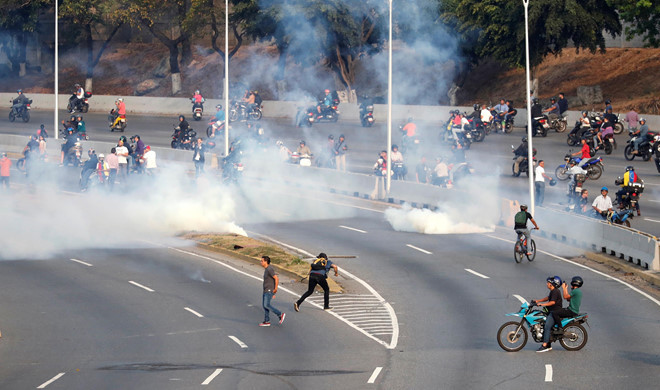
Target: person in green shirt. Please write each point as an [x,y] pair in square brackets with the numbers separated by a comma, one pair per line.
[574,298]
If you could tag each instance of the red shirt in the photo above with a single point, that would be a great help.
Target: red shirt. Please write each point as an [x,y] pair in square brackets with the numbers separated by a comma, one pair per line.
[410,129]
[121,110]
[585,151]
[5,163]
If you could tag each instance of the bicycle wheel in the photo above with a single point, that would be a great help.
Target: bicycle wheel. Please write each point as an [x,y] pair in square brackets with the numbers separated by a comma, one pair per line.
[532,250]
[517,252]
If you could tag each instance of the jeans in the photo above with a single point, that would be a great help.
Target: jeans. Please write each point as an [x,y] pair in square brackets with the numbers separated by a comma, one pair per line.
[199,167]
[315,279]
[527,234]
[638,142]
[549,323]
[268,296]
[539,187]
[112,175]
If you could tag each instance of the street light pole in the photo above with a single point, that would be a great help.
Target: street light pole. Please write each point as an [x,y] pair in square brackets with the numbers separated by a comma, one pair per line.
[226,88]
[56,119]
[530,148]
[388,177]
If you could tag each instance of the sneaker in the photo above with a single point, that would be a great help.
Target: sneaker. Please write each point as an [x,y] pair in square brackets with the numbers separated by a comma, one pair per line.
[265,324]
[328,308]
[295,306]
[639,213]
[282,318]
[529,253]
[544,349]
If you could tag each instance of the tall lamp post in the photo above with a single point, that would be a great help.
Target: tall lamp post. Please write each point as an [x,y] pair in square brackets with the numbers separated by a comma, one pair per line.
[530,149]
[55,125]
[388,177]
[226,77]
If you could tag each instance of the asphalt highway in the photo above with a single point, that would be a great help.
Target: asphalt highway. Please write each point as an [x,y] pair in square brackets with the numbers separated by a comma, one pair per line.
[124,305]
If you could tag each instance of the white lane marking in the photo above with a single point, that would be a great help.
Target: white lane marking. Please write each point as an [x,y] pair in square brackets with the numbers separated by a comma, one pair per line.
[194,312]
[237,341]
[373,376]
[419,249]
[395,322]
[353,229]
[56,377]
[521,299]
[652,200]
[477,273]
[139,285]
[548,372]
[657,302]
[212,376]
[651,220]
[81,262]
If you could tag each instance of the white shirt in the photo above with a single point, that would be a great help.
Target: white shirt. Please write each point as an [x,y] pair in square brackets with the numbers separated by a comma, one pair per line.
[602,203]
[397,156]
[150,159]
[122,150]
[539,171]
[464,122]
[486,115]
[441,170]
[80,93]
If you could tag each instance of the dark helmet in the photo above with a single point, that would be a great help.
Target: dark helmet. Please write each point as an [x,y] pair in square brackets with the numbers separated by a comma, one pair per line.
[553,99]
[181,117]
[642,120]
[302,142]
[91,151]
[475,106]
[630,168]
[19,91]
[535,100]
[410,119]
[395,146]
[523,207]
[607,101]
[577,281]
[219,106]
[554,280]
[42,126]
[331,136]
[123,139]
[553,182]
[80,117]
[524,139]
[322,256]
[585,113]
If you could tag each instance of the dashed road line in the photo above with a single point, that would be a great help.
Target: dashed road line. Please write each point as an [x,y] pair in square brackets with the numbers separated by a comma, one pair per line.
[353,229]
[81,262]
[53,379]
[651,220]
[373,376]
[477,273]
[141,286]
[548,372]
[239,342]
[212,376]
[419,249]
[194,312]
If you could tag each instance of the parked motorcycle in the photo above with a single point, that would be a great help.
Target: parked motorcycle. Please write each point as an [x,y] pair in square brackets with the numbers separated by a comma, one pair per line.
[22,111]
[570,332]
[594,167]
[81,105]
[120,125]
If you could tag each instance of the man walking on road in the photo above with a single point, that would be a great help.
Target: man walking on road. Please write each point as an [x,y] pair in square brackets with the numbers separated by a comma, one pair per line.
[539,182]
[318,275]
[271,281]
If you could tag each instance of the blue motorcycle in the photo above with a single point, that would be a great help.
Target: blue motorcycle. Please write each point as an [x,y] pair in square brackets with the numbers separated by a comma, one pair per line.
[594,167]
[621,217]
[512,336]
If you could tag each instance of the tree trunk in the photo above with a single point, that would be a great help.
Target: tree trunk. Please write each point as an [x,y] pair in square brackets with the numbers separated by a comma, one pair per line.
[88,84]
[90,53]
[186,52]
[451,94]
[176,83]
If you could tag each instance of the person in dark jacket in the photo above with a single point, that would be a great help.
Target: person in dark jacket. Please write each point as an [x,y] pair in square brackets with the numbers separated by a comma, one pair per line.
[198,156]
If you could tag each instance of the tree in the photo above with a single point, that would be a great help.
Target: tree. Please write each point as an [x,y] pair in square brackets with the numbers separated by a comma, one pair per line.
[644,19]
[553,26]
[18,18]
[89,15]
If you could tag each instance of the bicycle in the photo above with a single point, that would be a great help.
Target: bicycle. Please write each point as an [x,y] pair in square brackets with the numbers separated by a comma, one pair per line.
[521,243]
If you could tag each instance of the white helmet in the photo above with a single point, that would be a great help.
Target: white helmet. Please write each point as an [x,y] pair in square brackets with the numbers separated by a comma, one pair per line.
[101,156]
[120,99]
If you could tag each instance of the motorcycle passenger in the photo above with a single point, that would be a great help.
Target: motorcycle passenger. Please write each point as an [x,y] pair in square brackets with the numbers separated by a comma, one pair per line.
[553,302]
[553,110]
[324,103]
[67,146]
[380,167]
[520,224]
[521,152]
[42,131]
[642,135]
[89,167]
[632,118]
[608,105]
[19,101]
[562,103]
[476,115]
[82,128]
[197,100]
[398,167]
[606,130]
[486,116]
[602,205]
[574,298]
[249,100]
[219,119]
[71,124]
[512,112]
[77,98]
[121,111]
[629,178]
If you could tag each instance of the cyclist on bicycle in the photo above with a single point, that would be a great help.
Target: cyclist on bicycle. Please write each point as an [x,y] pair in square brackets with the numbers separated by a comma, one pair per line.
[520,226]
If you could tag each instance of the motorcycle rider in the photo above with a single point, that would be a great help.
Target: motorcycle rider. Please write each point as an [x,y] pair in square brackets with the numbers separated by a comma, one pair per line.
[521,154]
[629,177]
[248,100]
[303,149]
[366,101]
[121,111]
[181,131]
[19,101]
[603,203]
[197,100]
[537,112]
[520,224]
[396,157]
[562,103]
[642,135]
[219,119]
[553,110]
[69,143]
[605,130]
[582,126]
[501,110]
[89,167]
[325,103]
[82,128]
[608,105]
[512,112]
[553,302]
[584,152]
[77,97]
[486,116]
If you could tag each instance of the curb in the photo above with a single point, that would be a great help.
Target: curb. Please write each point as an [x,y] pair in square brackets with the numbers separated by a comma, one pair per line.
[652,277]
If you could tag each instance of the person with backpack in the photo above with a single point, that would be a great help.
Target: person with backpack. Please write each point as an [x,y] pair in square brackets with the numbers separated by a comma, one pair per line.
[318,275]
